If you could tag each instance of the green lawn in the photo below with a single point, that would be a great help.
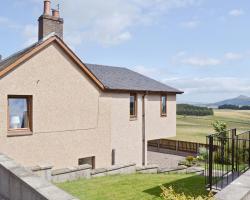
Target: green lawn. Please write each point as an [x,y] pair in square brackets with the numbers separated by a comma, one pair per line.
[195,129]
[133,187]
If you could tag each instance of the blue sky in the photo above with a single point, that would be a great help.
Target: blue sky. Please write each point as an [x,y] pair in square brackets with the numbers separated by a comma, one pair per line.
[199,46]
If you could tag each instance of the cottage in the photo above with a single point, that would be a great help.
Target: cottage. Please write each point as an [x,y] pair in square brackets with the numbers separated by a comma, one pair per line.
[57,109]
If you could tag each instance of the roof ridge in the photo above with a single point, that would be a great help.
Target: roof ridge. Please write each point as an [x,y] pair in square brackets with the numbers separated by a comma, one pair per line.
[28,47]
[16,53]
[102,65]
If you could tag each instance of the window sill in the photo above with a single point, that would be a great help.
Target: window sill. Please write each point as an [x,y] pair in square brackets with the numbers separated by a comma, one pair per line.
[163,116]
[17,133]
[132,118]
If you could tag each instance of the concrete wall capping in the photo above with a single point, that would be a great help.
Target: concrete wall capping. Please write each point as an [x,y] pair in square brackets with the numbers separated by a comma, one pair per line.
[20,183]
[150,169]
[237,190]
[98,171]
[39,168]
[69,170]
[117,167]
[147,167]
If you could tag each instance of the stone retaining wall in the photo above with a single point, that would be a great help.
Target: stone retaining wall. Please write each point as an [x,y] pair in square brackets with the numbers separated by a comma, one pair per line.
[62,175]
[18,183]
[150,169]
[85,171]
[117,169]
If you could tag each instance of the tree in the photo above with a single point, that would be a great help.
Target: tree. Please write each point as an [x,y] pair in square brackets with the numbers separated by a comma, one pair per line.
[221,130]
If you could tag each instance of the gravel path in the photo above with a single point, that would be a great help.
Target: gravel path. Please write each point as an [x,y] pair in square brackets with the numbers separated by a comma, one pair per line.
[163,160]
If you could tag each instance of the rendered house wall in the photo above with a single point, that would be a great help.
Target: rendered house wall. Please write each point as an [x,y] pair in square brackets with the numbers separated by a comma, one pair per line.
[73,119]
[70,116]
[126,134]
[156,126]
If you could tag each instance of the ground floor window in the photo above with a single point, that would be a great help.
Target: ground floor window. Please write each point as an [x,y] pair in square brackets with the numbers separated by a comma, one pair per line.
[20,113]
[87,160]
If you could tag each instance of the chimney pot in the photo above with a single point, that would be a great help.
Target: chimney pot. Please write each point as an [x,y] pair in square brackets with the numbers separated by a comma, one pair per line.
[47,7]
[55,13]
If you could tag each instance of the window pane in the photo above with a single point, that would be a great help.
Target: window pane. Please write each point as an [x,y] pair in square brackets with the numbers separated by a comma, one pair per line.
[132,105]
[164,104]
[18,113]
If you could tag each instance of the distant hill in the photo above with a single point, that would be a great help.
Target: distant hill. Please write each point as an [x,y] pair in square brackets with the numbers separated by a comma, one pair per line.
[238,101]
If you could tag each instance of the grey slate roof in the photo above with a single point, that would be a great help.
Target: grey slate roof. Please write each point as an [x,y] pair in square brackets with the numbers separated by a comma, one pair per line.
[117,78]
[14,57]
[113,78]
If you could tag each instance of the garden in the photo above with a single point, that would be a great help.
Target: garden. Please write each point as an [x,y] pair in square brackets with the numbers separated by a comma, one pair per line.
[138,186]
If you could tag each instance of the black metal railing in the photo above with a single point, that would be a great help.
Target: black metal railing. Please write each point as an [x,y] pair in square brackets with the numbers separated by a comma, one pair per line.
[228,156]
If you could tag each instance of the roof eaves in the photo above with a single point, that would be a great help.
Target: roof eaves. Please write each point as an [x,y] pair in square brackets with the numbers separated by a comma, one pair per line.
[143,91]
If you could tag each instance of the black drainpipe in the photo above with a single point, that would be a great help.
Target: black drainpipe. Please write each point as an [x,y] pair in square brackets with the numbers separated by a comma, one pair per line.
[143,131]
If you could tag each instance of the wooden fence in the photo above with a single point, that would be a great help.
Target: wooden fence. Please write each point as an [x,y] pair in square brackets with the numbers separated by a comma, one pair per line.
[179,146]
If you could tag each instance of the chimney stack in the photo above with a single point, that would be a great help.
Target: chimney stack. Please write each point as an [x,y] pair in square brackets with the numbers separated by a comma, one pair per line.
[50,22]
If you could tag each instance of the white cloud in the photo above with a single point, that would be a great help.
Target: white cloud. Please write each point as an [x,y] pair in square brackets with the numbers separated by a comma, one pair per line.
[234,56]
[211,85]
[157,73]
[4,20]
[201,61]
[236,12]
[190,24]
[181,53]
[111,22]
[8,23]
[30,32]
[147,71]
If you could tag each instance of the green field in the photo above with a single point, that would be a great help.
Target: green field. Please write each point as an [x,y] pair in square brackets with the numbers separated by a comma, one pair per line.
[135,186]
[195,129]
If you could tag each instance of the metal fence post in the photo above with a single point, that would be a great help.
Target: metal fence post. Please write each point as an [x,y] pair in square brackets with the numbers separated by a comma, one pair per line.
[210,162]
[233,149]
[249,149]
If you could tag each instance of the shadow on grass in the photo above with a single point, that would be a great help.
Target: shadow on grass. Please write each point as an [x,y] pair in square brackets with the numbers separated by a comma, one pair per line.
[192,186]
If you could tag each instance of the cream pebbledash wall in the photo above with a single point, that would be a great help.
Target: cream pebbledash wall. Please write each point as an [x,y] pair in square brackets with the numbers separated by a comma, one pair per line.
[156,125]
[127,133]
[71,118]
